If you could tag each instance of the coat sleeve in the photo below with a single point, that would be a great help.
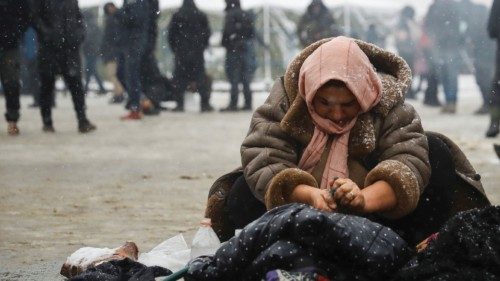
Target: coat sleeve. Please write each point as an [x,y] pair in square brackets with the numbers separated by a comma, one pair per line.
[269,155]
[403,159]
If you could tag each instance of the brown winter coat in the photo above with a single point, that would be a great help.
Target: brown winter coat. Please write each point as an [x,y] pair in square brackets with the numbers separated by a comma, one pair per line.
[386,143]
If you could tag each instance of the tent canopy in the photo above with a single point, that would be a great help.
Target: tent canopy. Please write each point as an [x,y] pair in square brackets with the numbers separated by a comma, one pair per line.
[420,6]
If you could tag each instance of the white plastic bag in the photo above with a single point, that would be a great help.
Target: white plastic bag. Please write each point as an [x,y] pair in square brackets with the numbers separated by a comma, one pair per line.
[172,253]
[205,241]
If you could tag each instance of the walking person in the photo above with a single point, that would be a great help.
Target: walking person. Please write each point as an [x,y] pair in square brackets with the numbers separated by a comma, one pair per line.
[442,24]
[238,39]
[61,32]
[188,34]
[110,50]
[494,32]
[14,19]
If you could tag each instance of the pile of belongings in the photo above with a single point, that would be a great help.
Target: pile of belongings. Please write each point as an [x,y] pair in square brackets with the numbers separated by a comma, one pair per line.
[298,242]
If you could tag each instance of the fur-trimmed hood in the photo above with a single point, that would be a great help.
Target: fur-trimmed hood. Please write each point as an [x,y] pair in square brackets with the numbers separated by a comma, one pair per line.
[394,73]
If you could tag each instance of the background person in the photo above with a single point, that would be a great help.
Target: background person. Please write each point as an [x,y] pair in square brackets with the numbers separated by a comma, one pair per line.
[61,32]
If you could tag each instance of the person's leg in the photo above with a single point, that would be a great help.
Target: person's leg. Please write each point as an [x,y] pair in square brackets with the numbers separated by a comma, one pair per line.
[120,71]
[9,73]
[203,85]
[494,128]
[449,75]
[432,78]
[73,78]
[88,71]
[494,99]
[248,68]
[47,66]
[111,71]
[97,77]
[179,86]
[242,207]
[484,76]
[232,74]
[132,75]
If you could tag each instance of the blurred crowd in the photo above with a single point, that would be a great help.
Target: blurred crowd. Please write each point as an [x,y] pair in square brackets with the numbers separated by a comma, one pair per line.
[42,39]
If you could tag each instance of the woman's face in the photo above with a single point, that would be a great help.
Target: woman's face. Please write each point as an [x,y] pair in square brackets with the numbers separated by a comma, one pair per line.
[336,103]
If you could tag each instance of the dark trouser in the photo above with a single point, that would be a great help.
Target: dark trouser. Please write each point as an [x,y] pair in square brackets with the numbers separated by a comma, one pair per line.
[431,92]
[190,71]
[239,69]
[133,60]
[484,75]
[66,62]
[9,75]
[120,69]
[495,93]
[242,207]
[448,75]
[91,70]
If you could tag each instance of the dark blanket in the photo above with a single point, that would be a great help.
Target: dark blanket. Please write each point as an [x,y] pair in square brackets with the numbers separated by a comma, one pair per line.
[122,270]
[467,248]
[293,236]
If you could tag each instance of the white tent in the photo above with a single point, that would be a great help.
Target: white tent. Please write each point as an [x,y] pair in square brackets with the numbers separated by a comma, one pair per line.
[420,5]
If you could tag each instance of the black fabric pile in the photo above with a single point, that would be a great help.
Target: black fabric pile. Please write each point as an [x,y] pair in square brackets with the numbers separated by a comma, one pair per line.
[122,270]
[294,236]
[467,248]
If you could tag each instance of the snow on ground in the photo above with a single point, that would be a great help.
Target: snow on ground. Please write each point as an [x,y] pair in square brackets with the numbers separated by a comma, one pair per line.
[144,181]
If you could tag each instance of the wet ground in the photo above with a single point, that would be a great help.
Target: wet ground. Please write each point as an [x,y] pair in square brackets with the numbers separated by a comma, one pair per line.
[145,181]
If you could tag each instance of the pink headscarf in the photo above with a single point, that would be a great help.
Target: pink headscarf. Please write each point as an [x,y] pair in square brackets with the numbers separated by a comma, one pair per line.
[338,59]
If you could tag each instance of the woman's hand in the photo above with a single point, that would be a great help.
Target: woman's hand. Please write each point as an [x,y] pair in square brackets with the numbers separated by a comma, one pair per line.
[348,194]
[322,200]
[318,198]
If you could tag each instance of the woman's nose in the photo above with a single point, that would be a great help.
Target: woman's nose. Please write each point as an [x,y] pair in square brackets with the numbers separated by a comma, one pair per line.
[337,113]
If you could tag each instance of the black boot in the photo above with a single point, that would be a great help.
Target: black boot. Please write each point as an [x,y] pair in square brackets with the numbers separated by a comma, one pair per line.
[48,127]
[206,108]
[496,147]
[84,126]
[493,130]
[229,108]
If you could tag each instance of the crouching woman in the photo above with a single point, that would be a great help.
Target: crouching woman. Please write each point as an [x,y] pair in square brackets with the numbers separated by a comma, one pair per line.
[334,133]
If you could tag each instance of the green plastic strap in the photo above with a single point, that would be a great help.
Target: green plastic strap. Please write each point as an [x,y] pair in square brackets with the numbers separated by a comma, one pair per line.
[177,275]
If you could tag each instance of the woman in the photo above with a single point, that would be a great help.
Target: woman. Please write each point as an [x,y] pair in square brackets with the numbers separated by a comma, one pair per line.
[334,133]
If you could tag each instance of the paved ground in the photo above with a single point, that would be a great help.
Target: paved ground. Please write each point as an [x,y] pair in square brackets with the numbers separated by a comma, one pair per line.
[143,181]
